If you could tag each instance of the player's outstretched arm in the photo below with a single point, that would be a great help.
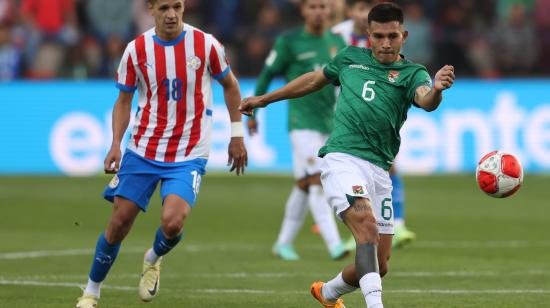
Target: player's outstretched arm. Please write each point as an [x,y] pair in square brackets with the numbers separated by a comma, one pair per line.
[430,98]
[305,84]
[237,156]
[121,119]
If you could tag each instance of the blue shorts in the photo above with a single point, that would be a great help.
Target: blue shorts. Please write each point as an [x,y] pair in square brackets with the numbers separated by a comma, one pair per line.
[138,177]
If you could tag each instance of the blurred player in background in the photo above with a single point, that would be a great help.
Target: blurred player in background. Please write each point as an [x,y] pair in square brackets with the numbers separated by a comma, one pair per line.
[378,87]
[354,32]
[171,65]
[310,120]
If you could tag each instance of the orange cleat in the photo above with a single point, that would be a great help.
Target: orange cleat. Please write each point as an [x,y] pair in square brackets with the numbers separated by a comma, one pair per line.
[316,292]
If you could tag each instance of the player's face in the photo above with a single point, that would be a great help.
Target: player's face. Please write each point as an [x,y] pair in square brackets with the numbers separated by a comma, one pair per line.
[168,16]
[359,13]
[315,12]
[386,40]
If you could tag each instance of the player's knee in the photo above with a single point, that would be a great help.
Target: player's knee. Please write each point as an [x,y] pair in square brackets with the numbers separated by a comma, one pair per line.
[366,229]
[171,227]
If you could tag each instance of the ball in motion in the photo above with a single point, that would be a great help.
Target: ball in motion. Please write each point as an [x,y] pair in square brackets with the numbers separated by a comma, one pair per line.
[499,174]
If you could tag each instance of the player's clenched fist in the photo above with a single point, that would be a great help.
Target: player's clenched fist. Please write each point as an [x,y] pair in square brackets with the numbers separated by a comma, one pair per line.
[248,104]
[111,164]
[444,78]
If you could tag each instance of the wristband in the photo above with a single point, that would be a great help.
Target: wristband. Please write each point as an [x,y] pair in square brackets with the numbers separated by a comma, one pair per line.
[237,129]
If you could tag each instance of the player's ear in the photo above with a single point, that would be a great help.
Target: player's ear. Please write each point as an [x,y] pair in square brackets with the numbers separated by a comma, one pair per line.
[150,7]
[405,35]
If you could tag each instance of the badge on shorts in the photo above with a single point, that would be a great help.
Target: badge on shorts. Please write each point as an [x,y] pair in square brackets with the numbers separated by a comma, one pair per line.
[357,189]
[114,182]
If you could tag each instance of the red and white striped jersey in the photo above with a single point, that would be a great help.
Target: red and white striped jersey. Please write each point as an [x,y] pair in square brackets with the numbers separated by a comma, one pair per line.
[345,29]
[174,79]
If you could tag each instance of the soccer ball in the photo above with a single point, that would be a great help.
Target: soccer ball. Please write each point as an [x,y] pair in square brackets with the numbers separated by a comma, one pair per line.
[499,174]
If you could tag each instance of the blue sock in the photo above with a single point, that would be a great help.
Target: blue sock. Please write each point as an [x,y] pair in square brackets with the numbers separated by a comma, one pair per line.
[162,245]
[398,197]
[105,255]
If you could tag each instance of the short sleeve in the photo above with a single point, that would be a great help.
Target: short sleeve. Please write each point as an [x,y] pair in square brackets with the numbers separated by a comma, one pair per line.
[218,63]
[126,78]
[420,78]
[332,69]
[278,58]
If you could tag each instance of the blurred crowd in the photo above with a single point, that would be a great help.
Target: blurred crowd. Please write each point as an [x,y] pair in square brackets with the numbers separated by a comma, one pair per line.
[83,39]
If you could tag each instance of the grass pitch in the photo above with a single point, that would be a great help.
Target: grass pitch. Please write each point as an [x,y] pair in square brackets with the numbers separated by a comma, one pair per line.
[472,250]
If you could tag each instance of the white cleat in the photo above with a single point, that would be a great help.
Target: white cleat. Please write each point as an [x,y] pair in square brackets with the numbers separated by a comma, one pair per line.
[150,281]
[87,301]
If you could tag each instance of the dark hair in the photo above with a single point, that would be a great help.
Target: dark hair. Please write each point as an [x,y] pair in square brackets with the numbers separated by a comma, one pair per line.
[386,12]
[352,2]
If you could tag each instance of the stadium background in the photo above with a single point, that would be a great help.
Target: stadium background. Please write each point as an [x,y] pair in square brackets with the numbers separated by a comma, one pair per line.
[56,69]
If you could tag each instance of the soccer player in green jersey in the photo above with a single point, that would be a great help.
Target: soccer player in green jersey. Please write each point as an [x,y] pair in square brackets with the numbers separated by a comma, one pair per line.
[378,86]
[355,33]
[310,120]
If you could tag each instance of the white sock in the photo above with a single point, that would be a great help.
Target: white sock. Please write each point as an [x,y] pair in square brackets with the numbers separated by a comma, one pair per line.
[398,222]
[295,212]
[151,257]
[371,286]
[323,216]
[93,288]
[335,288]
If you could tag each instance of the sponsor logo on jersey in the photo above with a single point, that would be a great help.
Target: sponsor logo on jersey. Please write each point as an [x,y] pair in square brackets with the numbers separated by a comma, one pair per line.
[357,189]
[393,75]
[359,66]
[114,182]
[194,62]
[306,55]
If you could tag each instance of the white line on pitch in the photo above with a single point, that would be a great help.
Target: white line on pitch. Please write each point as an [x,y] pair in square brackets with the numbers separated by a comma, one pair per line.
[258,291]
[192,248]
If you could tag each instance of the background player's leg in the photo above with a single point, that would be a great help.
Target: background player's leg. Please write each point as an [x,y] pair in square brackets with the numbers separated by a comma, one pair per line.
[108,244]
[324,218]
[403,236]
[295,211]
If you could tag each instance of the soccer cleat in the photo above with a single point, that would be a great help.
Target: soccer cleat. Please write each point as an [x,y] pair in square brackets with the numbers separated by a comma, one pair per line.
[285,252]
[87,301]
[350,244]
[315,290]
[339,252]
[150,281]
[402,237]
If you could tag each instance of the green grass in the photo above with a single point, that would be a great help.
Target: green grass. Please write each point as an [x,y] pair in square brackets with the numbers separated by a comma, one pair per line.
[472,250]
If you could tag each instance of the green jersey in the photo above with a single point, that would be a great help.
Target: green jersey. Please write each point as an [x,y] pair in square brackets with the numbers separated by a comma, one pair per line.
[372,105]
[294,54]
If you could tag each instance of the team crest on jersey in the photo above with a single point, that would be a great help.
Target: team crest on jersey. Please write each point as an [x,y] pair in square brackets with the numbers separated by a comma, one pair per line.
[194,62]
[357,189]
[393,75]
[114,182]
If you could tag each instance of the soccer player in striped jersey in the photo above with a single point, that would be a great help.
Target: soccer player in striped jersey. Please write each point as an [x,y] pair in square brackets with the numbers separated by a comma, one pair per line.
[171,66]
[310,120]
[378,87]
[354,32]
